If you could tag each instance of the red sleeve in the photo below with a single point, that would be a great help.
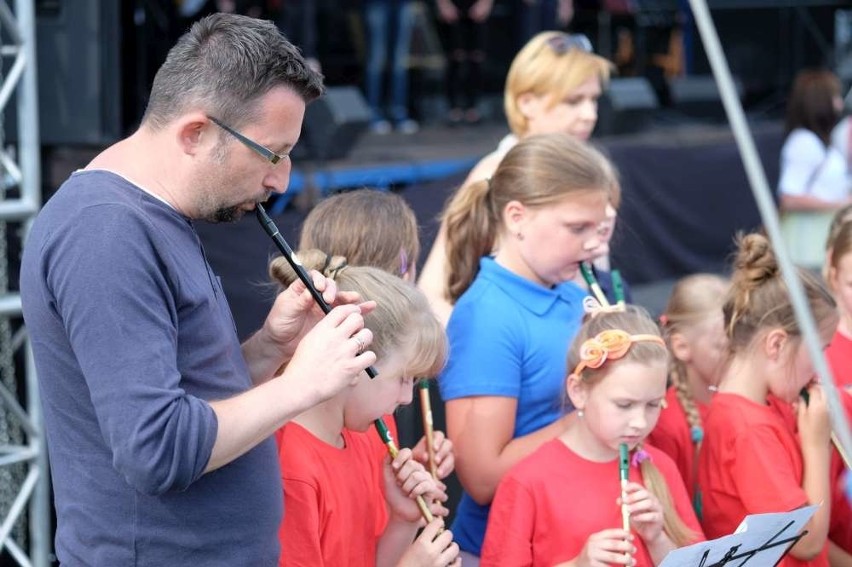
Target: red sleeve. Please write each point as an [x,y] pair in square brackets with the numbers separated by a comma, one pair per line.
[765,473]
[382,511]
[680,497]
[300,531]
[664,439]
[671,432]
[508,537]
[840,526]
[840,529]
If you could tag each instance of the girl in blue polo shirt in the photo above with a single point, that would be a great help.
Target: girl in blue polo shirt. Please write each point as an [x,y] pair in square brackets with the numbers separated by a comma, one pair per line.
[516,310]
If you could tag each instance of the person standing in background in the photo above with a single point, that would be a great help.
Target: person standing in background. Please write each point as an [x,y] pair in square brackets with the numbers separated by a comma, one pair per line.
[466,22]
[813,182]
[389,25]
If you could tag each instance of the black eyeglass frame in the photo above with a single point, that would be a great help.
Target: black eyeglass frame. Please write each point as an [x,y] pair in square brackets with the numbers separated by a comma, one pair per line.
[262,150]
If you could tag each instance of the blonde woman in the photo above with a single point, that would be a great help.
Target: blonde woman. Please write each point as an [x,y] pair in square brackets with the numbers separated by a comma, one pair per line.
[553,86]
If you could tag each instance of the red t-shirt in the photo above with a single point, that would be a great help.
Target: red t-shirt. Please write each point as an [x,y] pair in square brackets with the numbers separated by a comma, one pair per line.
[334,508]
[750,463]
[840,529]
[839,356]
[672,435]
[548,505]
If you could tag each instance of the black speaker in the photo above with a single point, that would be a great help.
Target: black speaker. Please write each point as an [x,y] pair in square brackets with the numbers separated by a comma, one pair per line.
[335,122]
[626,106]
[698,96]
[79,81]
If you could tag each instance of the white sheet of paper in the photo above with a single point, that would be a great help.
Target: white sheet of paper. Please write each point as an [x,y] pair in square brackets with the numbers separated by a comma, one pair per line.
[754,532]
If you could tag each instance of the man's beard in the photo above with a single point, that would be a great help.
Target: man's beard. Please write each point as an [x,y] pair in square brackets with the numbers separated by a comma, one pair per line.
[226,214]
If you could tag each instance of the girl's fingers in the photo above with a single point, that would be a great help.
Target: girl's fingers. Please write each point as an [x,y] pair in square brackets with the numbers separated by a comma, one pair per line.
[450,555]
[432,530]
[642,506]
[443,539]
[605,557]
[438,510]
[401,458]
[612,534]
[418,484]
[645,518]
[617,546]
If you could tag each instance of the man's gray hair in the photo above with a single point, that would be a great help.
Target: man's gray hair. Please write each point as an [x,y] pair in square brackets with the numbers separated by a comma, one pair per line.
[223,65]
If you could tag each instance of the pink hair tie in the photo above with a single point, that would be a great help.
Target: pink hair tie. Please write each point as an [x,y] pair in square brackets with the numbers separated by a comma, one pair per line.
[640,456]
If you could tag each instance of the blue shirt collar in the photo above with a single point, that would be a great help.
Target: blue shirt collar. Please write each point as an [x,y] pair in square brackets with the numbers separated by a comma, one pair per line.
[535,297]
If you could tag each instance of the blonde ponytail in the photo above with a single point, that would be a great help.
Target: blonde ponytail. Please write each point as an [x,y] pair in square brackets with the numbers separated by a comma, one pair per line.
[471,234]
[673,525]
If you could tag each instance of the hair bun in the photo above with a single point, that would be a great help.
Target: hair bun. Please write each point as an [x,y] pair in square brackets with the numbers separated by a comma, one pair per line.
[755,262]
[282,272]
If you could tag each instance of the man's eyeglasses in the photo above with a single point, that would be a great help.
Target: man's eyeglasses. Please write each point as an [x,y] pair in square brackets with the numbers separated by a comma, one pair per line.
[561,43]
[265,152]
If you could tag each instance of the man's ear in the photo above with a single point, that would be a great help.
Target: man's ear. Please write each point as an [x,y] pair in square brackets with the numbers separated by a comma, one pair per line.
[193,131]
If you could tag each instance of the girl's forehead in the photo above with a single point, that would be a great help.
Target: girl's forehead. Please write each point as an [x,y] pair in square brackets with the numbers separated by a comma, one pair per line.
[633,378]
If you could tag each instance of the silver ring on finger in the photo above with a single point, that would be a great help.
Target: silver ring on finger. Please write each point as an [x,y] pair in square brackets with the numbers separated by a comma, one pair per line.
[361,344]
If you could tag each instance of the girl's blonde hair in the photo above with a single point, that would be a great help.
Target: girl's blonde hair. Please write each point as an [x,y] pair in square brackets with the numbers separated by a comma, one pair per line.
[541,70]
[841,217]
[758,298]
[368,227]
[402,318]
[837,245]
[537,172]
[634,321]
[840,247]
[692,301]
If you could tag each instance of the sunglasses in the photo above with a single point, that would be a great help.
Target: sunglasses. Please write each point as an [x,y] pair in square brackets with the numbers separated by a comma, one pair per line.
[564,42]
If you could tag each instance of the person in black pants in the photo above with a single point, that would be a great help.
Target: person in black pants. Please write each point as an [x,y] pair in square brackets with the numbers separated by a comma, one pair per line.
[466,26]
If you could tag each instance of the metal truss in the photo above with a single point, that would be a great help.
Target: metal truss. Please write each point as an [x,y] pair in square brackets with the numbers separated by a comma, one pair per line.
[24,488]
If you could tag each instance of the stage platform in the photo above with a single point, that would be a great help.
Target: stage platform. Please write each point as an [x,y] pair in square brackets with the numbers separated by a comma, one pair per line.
[393,160]
[381,161]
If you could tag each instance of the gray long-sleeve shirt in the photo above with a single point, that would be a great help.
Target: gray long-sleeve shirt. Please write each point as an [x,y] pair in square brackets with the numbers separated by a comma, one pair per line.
[132,337]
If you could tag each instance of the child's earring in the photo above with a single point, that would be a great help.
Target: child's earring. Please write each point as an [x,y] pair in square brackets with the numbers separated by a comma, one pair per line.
[580,413]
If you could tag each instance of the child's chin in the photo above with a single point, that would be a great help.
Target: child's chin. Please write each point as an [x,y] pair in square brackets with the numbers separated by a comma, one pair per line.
[359,427]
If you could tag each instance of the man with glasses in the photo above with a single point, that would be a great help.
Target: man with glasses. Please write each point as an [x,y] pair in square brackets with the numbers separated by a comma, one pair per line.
[158,421]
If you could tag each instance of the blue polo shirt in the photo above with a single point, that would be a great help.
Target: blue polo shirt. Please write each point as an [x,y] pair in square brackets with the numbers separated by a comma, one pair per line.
[509,337]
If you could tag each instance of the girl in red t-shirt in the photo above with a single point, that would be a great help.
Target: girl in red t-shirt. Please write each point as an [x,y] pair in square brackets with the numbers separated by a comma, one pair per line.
[838,274]
[692,326]
[562,504]
[752,461]
[342,505]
